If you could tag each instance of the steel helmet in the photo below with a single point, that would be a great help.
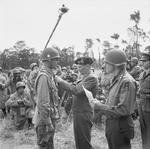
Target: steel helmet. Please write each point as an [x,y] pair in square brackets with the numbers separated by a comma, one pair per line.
[16,71]
[33,65]
[116,57]
[20,84]
[50,53]
[74,66]
[63,68]
[134,60]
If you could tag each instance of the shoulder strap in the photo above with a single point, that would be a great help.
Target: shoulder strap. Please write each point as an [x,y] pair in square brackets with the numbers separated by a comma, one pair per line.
[37,80]
[36,85]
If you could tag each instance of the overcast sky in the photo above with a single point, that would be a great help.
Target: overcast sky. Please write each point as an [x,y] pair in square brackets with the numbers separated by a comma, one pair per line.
[33,21]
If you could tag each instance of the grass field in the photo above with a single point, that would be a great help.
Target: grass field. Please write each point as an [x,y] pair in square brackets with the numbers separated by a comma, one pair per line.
[64,139]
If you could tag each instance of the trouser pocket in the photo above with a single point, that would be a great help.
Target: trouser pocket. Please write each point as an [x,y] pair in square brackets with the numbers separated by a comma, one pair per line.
[126,126]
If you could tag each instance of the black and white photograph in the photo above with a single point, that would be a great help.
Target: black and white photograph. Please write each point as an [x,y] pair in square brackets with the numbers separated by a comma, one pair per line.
[74,74]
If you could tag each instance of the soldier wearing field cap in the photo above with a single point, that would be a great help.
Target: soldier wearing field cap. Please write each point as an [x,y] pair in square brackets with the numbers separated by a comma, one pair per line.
[120,101]
[144,108]
[82,111]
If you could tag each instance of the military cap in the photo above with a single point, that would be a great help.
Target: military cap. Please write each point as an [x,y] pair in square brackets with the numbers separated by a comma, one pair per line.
[146,54]
[145,58]
[84,61]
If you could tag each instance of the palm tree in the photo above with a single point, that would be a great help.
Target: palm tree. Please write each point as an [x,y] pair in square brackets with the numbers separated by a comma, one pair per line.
[107,46]
[99,54]
[135,17]
[115,36]
[88,47]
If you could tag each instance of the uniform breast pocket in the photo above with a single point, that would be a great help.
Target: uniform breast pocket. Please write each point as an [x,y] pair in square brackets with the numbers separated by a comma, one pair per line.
[22,111]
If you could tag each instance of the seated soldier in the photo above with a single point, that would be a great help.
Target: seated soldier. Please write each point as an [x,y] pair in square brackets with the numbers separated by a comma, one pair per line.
[20,106]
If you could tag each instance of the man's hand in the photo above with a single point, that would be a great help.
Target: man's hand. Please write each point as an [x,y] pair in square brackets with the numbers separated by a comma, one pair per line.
[94,102]
[58,79]
[2,86]
[90,97]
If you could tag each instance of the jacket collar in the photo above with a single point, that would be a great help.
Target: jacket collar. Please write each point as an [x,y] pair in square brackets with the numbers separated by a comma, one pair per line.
[118,77]
[47,69]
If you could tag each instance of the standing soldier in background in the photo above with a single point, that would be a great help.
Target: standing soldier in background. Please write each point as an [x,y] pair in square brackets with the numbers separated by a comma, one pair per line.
[33,74]
[82,111]
[46,100]
[120,102]
[31,80]
[3,92]
[144,108]
[135,68]
[135,73]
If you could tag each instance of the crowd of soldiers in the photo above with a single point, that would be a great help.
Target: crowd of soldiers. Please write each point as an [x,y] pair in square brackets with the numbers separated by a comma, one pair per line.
[121,93]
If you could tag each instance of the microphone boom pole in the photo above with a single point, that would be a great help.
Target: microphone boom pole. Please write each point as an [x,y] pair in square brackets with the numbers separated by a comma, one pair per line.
[62,10]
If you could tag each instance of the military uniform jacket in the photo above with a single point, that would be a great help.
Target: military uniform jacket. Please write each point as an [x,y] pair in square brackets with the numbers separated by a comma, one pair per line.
[144,82]
[46,96]
[32,78]
[3,93]
[80,101]
[122,96]
[19,109]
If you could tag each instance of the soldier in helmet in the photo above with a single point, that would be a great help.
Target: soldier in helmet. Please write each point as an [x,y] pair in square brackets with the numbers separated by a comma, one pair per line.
[3,92]
[75,68]
[135,73]
[82,112]
[120,101]
[64,73]
[33,74]
[19,104]
[144,90]
[135,68]
[46,99]
[31,80]
[14,77]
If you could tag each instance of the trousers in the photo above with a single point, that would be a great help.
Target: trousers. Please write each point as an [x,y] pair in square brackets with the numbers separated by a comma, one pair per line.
[119,132]
[145,127]
[45,136]
[82,129]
